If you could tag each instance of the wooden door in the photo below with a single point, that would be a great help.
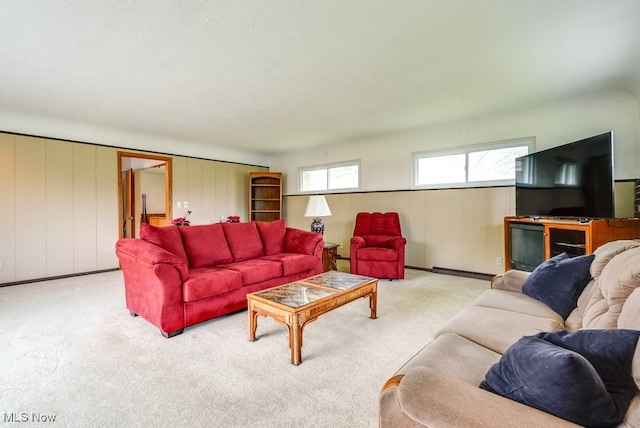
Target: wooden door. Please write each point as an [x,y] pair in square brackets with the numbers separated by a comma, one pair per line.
[129,205]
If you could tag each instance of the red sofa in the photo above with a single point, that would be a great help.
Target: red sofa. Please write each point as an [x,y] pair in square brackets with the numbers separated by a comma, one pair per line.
[175,277]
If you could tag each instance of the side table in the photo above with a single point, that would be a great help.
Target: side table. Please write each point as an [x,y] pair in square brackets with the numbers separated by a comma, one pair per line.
[329,257]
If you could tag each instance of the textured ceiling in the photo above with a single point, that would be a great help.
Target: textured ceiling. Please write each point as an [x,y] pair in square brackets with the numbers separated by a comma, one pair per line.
[278,75]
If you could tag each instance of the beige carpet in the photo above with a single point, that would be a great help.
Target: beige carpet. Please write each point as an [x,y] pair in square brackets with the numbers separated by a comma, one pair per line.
[71,351]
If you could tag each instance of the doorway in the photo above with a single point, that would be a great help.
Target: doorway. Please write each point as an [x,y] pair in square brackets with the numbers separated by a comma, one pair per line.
[139,174]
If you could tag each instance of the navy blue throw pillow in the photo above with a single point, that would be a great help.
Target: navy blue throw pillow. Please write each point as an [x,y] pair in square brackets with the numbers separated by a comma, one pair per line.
[559,281]
[583,377]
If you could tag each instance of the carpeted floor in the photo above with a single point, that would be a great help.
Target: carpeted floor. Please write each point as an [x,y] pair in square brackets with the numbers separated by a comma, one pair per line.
[71,351]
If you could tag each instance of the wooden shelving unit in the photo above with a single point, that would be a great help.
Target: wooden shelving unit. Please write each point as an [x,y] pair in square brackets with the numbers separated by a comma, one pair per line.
[265,196]
[572,236]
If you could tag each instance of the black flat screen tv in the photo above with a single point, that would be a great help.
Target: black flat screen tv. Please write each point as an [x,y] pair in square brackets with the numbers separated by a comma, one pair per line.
[572,180]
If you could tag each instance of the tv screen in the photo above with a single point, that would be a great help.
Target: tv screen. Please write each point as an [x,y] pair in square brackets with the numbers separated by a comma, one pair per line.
[572,180]
[527,246]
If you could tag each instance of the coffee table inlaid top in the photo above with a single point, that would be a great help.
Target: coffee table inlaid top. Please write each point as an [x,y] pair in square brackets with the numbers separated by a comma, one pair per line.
[339,280]
[295,294]
[309,290]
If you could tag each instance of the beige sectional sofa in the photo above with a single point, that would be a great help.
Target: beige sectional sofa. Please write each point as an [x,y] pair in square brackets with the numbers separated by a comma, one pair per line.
[439,386]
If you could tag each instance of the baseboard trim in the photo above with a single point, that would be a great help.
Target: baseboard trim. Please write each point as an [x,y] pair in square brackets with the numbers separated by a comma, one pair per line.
[447,271]
[435,269]
[466,274]
[50,278]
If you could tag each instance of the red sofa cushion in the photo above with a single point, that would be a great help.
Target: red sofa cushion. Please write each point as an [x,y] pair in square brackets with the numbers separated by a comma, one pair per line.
[377,240]
[168,238]
[377,224]
[297,241]
[272,235]
[244,240]
[205,245]
[295,263]
[211,281]
[256,270]
[378,254]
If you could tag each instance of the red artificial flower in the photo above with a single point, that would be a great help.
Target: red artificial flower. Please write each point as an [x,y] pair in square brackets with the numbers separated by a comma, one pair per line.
[181,221]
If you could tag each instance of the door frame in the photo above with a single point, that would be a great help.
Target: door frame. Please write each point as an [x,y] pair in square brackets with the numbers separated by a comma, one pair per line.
[168,184]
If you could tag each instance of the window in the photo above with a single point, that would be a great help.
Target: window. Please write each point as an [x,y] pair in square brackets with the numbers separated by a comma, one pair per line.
[486,164]
[340,176]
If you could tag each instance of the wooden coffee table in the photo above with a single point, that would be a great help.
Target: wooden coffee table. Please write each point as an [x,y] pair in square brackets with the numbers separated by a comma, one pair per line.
[298,303]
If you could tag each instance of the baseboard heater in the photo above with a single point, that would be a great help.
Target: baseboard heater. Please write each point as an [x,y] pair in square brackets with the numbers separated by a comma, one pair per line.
[51,278]
[463,273]
[447,271]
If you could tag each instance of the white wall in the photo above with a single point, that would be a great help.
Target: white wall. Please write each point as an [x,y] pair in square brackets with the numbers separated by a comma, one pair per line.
[150,182]
[58,128]
[386,159]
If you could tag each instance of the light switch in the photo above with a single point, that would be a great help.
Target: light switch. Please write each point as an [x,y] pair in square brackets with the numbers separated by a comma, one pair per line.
[178,204]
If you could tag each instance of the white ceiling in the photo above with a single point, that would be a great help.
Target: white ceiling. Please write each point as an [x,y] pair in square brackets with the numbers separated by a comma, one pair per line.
[278,75]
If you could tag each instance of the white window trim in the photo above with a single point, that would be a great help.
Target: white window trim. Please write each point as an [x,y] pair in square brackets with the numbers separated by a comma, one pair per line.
[416,156]
[328,166]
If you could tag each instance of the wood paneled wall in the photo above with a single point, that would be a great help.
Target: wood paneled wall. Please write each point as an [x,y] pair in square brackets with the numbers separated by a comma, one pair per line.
[213,189]
[454,228]
[59,214]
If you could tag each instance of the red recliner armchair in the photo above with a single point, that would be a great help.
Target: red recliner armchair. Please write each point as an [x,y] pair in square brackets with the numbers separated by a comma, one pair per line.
[377,246]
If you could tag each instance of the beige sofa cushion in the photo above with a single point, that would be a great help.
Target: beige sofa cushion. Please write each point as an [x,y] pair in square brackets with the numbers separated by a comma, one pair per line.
[456,356]
[515,302]
[511,280]
[497,329]
[608,251]
[433,398]
[574,320]
[632,417]
[619,278]
[630,314]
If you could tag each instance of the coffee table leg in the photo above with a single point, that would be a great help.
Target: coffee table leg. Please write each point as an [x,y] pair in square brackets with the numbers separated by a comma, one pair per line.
[295,340]
[373,303]
[253,323]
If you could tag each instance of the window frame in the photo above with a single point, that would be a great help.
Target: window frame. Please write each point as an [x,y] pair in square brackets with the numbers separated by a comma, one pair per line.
[327,167]
[466,150]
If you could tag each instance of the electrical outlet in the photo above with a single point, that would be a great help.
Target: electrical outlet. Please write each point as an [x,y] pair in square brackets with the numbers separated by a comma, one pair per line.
[185,204]
[499,261]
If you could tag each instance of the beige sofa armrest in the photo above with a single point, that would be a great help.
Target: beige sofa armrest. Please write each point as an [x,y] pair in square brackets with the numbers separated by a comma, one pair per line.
[434,399]
[511,280]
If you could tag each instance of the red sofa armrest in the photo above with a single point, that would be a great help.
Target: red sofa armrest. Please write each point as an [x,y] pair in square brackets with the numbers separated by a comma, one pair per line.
[303,242]
[384,241]
[397,243]
[148,253]
[357,242]
[153,281]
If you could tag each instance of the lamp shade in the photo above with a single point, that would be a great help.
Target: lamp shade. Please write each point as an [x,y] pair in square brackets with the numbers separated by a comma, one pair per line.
[317,207]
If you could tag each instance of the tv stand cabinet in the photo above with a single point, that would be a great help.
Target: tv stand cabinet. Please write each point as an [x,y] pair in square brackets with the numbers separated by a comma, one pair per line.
[573,236]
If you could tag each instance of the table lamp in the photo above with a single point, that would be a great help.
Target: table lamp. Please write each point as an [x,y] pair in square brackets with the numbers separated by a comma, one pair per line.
[317,207]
